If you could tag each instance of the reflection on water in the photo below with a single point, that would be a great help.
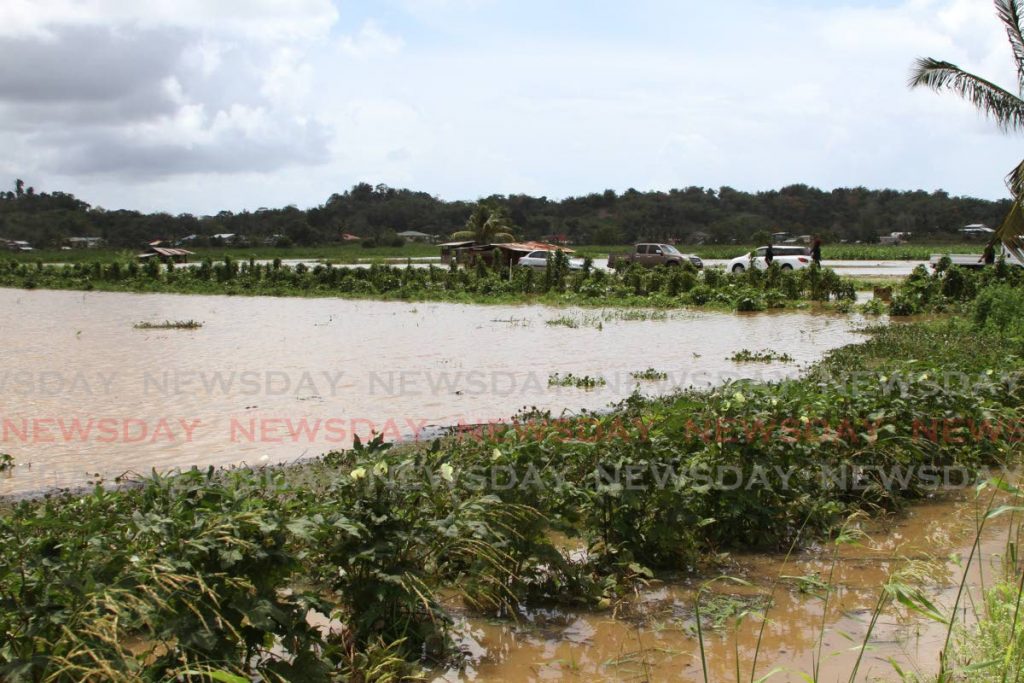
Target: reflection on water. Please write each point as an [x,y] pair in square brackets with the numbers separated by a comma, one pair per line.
[276,379]
[655,639]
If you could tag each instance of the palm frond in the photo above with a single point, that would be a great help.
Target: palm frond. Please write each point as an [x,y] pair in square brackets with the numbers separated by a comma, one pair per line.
[1012,228]
[1010,13]
[1005,107]
[1015,180]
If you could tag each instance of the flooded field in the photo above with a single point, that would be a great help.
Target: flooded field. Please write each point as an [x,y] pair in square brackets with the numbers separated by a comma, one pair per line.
[653,638]
[84,393]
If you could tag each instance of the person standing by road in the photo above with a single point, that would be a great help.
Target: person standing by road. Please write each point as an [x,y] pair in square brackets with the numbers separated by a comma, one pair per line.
[816,251]
[989,255]
[769,255]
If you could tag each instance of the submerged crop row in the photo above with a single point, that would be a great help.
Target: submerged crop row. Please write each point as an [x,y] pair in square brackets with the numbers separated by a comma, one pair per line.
[662,287]
[200,572]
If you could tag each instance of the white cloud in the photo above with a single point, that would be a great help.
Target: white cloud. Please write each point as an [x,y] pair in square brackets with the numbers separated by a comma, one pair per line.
[165,87]
[370,41]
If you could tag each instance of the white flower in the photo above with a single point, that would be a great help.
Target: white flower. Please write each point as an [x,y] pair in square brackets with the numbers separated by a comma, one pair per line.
[447,472]
[358,473]
[923,377]
[496,454]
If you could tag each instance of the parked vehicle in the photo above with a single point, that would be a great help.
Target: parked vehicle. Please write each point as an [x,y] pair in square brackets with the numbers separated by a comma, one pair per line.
[538,260]
[652,254]
[1014,257]
[788,257]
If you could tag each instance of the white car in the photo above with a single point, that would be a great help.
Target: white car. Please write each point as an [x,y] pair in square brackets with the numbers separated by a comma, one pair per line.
[788,258]
[538,260]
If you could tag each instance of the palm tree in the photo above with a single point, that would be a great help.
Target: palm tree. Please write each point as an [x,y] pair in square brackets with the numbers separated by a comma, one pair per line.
[1007,108]
[487,224]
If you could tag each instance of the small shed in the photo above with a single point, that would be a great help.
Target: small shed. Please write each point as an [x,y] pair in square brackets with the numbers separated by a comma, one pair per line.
[976,230]
[451,249]
[510,252]
[166,254]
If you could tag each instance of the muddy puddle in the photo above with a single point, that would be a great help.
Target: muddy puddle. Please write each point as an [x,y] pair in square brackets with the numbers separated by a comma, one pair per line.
[84,393]
[654,636]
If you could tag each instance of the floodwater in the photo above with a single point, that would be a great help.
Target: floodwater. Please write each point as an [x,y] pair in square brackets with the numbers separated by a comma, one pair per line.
[84,394]
[653,638]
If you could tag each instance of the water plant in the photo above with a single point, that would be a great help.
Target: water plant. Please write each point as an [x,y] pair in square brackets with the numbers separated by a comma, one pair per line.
[765,356]
[169,325]
[571,380]
[650,375]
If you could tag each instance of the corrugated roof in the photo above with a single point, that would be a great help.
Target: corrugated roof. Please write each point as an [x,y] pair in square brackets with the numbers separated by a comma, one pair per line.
[532,246]
[168,251]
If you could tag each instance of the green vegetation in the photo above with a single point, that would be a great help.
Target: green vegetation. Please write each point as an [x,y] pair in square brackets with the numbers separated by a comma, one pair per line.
[753,290]
[376,214]
[993,648]
[951,288]
[571,380]
[649,375]
[169,325]
[488,223]
[766,356]
[6,461]
[216,571]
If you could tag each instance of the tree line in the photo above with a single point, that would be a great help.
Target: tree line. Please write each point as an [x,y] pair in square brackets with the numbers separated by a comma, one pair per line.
[376,213]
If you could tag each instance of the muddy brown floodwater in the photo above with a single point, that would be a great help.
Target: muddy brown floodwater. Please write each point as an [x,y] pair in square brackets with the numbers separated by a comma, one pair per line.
[654,639]
[82,392]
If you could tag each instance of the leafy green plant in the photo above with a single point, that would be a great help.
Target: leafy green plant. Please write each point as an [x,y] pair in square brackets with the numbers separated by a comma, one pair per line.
[765,356]
[571,380]
[650,375]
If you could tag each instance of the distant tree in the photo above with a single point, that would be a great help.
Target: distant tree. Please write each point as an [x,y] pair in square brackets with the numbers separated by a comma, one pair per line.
[488,223]
[19,187]
[1005,107]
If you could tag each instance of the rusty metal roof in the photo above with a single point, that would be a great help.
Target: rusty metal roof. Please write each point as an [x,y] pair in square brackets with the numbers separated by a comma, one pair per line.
[168,251]
[532,246]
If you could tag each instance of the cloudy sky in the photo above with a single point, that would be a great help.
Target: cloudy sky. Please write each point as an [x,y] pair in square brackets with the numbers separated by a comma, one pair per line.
[202,105]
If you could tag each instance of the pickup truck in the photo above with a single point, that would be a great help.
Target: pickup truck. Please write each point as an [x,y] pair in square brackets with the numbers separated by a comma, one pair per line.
[1014,257]
[652,254]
